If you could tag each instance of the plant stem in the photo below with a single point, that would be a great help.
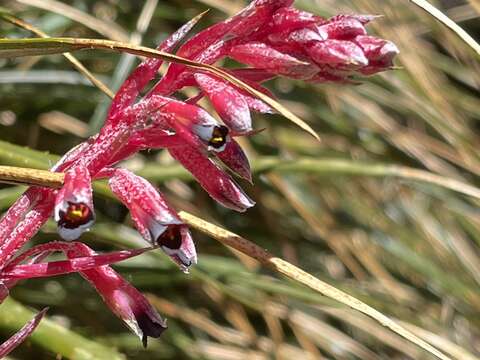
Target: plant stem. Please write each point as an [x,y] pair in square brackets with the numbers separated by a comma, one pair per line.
[23,176]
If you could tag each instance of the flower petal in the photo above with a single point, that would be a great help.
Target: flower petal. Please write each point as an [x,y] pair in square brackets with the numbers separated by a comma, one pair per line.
[177,243]
[150,211]
[42,203]
[343,29]
[252,75]
[379,52]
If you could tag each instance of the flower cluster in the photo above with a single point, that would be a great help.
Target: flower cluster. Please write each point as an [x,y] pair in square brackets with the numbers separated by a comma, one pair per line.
[272,39]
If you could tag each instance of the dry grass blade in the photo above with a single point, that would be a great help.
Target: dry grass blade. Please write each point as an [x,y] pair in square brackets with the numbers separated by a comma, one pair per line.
[340,166]
[220,333]
[108,29]
[28,47]
[442,343]
[77,64]
[279,265]
[444,19]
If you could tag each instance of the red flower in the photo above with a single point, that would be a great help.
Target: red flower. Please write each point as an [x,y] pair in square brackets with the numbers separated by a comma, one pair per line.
[74,204]
[154,218]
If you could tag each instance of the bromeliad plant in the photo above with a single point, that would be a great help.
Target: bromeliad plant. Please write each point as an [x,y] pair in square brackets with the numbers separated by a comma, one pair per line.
[270,38]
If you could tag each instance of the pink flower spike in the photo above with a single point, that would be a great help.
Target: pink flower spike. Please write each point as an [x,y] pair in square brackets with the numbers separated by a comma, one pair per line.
[28,271]
[228,102]
[262,56]
[74,204]
[338,53]
[217,183]
[21,334]
[156,221]
[236,160]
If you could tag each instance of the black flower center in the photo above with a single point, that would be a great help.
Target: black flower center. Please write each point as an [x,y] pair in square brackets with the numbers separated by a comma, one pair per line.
[77,214]
[171,238]
[150,326]
[219,137]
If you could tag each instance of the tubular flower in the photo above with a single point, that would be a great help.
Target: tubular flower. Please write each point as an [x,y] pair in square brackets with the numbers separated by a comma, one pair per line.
[122,298]
[154,218]
[271,38]
[74,204]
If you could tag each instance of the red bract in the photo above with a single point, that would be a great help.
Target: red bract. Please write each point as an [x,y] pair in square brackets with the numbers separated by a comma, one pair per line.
[338,53]
[289,18]
[146,71]
[228,102]
[269,36]
[218,184]
[262,56]
[236,160]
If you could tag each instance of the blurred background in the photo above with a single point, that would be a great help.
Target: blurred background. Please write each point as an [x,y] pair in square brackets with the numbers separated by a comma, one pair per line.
[409,249]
